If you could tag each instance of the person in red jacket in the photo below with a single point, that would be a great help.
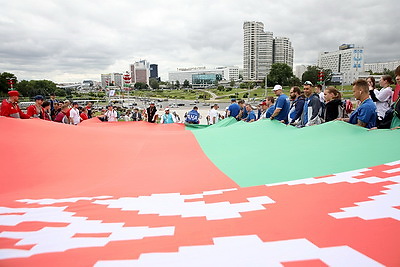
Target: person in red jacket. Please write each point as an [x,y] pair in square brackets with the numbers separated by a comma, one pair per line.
[36,110]
[10,108]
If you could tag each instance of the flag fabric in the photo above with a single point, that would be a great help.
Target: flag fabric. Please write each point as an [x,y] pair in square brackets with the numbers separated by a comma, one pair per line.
[230,194]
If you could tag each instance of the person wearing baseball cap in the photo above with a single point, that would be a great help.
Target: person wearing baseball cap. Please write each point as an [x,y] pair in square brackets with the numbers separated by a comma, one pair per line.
[282,105]
[36,110]
[10,108]
[167,117]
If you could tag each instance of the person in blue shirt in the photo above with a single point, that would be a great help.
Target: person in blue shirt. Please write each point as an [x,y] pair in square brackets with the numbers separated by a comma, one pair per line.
[271,107]
[251,115]
[193,116]
[233,109]
[365,115]
[167,117]
[282,105]
[243,111]
[312,110]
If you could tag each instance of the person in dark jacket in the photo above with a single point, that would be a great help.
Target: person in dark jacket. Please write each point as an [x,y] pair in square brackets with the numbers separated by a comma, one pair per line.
[296,107]
[333,104]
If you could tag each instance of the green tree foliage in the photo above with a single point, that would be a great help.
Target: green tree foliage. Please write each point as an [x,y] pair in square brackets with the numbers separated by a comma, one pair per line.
[280,73]
[177,84]
[61,92]
[154,83]
[141,85]
[186,84]
[311,74]
[36,87]
[232,83]
[4,86]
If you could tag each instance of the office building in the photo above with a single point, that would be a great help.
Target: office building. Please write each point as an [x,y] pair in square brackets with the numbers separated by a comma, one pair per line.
[182,74]
[140,72]
[154,71]
[348,62]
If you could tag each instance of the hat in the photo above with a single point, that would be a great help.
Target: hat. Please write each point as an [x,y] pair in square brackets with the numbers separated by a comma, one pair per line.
[166,109]
[277,87]
[39,97]
[308,83]
[233,99]
[152,103]
[13,93]
[264,103]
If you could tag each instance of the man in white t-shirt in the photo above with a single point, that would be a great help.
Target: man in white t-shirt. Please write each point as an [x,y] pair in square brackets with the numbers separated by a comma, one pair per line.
[214,115]
[74,116]
[111,114]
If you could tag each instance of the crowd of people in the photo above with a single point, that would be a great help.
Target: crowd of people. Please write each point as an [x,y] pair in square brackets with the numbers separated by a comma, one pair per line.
[376,108]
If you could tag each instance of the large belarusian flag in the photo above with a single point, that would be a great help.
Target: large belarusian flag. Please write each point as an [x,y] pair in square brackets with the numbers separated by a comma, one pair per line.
[231,194]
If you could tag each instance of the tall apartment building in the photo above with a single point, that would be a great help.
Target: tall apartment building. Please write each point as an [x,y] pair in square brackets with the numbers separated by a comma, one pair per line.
[140,72]
[257,51]
[348,62]
[261,50]
[283,51]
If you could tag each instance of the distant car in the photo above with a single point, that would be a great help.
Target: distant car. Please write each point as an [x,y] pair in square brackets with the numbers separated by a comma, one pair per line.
[181,104]
[196,101]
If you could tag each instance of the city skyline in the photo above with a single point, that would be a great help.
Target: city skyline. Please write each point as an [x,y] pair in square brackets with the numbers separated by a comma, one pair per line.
[74,40]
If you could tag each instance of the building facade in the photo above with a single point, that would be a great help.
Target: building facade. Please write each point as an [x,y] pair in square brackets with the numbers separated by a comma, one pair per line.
[182,74]
[348,62]
[283,51]
[257,51]
[381,66]
[154,71]
[140,72]
[261,50]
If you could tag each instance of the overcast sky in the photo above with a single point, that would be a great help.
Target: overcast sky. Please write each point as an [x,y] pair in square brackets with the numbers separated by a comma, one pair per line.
[72,40]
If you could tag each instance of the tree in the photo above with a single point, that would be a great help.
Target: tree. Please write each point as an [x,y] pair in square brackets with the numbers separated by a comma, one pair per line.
[36,87]
[186,84]
[177,84]
[61,92]
[154,83]
[280,73]
[140,85]
[4,77]
[311,74]
[232,83]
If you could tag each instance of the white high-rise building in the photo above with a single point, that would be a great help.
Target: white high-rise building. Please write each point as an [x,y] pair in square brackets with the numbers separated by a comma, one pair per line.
[261,50]
[257,51]
[348,62]
[283,51]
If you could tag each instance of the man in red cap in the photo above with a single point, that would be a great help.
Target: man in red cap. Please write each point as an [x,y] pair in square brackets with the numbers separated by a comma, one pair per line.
[10,108]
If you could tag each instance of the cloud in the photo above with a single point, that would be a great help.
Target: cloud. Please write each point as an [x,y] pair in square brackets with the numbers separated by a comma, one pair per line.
[81,39]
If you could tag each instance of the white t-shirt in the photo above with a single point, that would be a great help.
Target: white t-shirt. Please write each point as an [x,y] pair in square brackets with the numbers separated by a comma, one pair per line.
[74,115]
[213,113]
[385,98]
[111,115]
